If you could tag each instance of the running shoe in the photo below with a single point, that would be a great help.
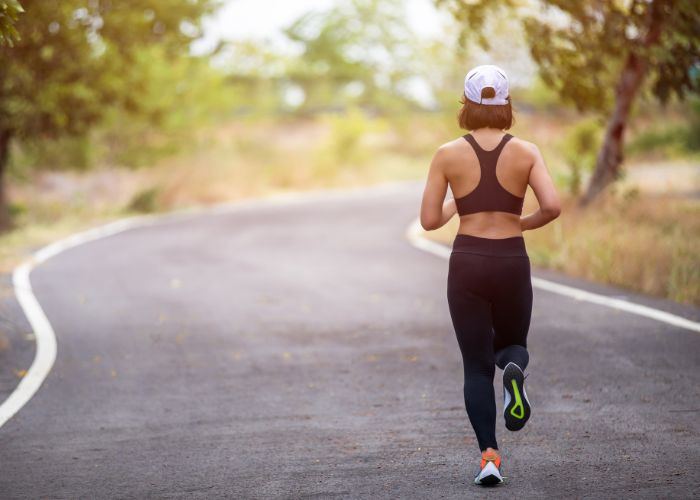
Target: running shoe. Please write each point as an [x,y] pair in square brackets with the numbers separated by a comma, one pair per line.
[490,469]
[516,407]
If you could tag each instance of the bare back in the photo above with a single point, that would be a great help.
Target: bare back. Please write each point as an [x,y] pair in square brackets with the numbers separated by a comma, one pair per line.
[462,170]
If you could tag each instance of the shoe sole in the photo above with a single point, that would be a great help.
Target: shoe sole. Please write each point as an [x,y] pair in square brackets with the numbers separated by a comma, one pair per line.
[492,476]
[490,481]
[516,410]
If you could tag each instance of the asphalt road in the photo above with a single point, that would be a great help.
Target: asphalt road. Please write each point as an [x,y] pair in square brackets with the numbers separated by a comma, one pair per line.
[305,350]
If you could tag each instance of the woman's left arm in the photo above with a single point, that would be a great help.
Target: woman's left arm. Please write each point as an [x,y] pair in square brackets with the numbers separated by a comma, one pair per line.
[434,210]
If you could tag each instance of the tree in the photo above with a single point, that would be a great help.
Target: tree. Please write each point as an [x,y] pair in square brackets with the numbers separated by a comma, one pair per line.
[363,48]
[72,63]
[598,54]
[9,12]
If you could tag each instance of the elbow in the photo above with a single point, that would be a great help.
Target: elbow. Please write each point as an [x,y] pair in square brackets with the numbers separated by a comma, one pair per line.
[429,224]
[551,212]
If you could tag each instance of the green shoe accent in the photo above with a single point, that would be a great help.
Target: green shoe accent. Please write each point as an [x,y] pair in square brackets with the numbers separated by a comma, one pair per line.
[518,402]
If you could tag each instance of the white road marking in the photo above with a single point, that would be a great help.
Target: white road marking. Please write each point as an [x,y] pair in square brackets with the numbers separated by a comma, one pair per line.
[414,233]
[46,345]
[43,332]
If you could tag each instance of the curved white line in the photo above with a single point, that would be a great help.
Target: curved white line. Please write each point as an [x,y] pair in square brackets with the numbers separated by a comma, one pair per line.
[414,233]
[43,332]
[46,345]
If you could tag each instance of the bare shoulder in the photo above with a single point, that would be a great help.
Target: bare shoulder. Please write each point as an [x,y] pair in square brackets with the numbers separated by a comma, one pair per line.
[525,147]
[452,146]
[450,149]
[527,151]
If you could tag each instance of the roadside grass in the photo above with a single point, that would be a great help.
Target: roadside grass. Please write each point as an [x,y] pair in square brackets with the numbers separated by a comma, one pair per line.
[17,244]
[645,244]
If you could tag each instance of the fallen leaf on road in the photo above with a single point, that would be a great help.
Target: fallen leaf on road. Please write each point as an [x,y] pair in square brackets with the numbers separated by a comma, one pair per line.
[4,342]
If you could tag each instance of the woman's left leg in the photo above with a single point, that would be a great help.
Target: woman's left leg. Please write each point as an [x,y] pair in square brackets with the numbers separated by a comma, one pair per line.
[471,318]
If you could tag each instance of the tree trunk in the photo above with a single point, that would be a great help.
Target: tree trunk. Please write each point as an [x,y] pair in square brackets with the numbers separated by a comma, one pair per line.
[610,157]
[5,221]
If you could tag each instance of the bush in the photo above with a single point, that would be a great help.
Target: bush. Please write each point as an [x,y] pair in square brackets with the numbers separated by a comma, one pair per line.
[664,141]
[343,147]
[145,201]
[693,136]
[580,148]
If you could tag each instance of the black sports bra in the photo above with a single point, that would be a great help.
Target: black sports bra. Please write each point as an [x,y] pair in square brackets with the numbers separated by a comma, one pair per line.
[489,195]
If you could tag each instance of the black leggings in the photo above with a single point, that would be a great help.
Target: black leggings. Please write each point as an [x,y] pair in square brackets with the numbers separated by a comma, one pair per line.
[490,299]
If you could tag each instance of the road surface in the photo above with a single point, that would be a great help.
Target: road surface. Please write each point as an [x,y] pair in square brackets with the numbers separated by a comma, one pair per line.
[305,350]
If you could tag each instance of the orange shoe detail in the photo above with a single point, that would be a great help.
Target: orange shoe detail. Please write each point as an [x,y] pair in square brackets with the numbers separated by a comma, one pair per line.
[490,456]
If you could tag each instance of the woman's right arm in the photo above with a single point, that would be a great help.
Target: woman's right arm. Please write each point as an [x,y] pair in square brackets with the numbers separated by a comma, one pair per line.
[543,186]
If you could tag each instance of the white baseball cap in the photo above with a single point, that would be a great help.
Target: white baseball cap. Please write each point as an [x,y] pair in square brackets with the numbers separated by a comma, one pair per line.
[486,75]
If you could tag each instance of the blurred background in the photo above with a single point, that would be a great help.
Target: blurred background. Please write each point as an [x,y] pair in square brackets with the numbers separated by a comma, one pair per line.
[110,108]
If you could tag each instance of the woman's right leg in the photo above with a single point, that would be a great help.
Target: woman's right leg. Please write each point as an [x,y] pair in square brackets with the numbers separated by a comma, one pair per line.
[512,310]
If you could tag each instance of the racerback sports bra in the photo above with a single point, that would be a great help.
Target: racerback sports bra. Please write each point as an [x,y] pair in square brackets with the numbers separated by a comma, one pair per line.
[489,195]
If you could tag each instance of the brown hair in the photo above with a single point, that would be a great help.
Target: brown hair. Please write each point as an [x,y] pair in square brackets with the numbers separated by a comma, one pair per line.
[473,115]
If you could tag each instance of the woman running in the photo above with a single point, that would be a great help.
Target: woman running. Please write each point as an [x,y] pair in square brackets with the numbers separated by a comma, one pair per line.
[489,292]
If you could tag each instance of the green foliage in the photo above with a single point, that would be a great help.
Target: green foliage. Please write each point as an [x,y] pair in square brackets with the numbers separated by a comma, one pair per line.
[667,141]
[71,152]
[346,57]
[538,95]
[582,59]
[75,60]
[255,76]
[669,137]
[475,16]
[580,47]
[17,209]
[9,12]
[693,136]
[178,96]
[579,148]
